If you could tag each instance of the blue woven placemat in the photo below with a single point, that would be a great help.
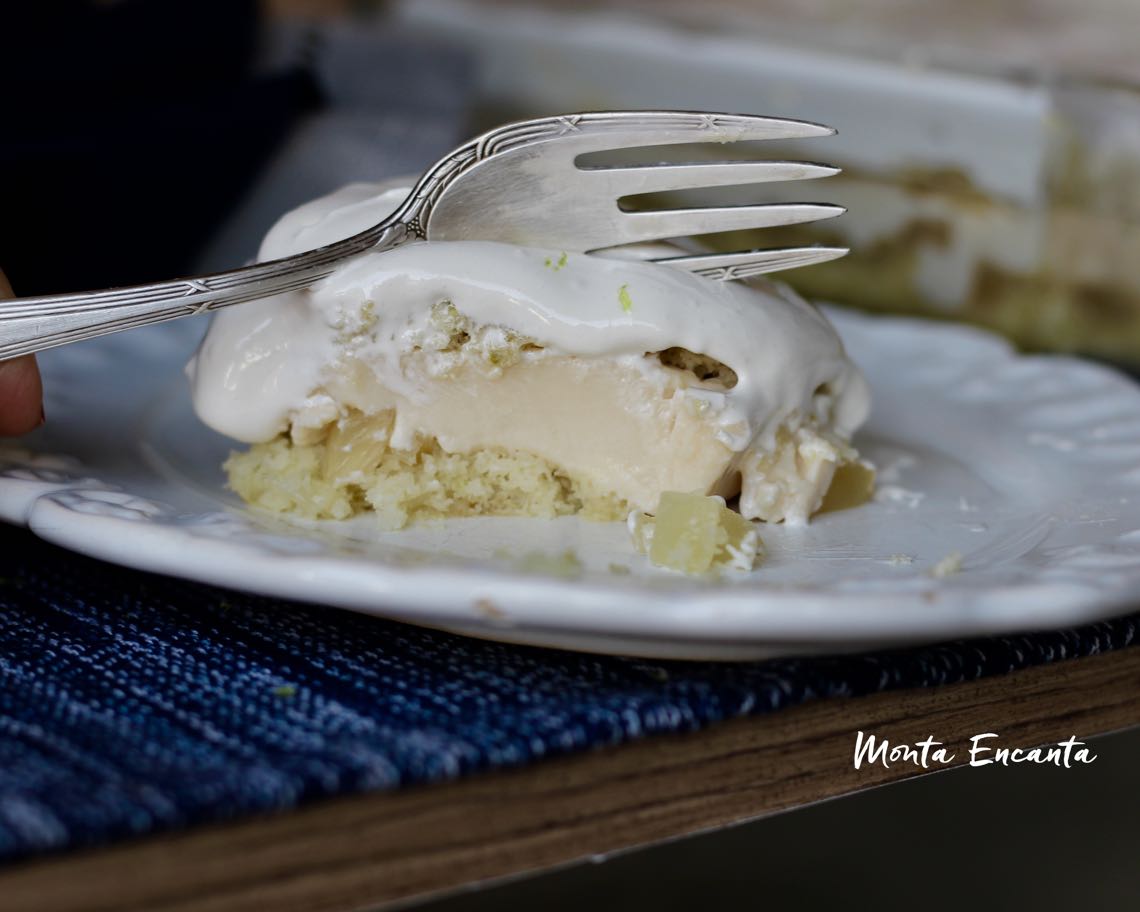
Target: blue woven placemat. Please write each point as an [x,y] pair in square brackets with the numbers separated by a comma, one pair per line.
[132,703]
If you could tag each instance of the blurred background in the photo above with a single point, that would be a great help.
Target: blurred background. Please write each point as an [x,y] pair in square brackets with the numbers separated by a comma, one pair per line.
[991,150]
[991,156]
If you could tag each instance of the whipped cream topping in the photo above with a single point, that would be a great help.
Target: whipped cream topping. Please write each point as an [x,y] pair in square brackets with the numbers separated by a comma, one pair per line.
[266,365]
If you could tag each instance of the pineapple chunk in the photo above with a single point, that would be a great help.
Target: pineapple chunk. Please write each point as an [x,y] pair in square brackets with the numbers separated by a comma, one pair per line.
[851,486]
[356,444]
[694,534]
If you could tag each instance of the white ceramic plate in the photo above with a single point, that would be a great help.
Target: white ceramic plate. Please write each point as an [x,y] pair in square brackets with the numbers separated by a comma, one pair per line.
[1029,468]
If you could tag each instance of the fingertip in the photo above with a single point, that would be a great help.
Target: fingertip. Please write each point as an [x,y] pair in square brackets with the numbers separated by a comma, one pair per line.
[21,396]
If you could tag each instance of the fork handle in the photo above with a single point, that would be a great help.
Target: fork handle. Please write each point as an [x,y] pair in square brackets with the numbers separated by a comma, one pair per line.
[33,324]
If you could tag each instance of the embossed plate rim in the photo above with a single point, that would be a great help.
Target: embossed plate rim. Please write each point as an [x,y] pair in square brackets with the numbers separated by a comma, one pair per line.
[1096,576]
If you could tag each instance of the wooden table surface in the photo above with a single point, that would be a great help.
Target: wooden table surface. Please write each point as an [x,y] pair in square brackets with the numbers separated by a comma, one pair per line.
[367,850]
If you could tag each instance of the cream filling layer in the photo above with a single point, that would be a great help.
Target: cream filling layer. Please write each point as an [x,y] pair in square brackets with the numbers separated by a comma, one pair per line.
[595,420]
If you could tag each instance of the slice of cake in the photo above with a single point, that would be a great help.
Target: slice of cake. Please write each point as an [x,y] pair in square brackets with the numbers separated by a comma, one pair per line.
[459,378]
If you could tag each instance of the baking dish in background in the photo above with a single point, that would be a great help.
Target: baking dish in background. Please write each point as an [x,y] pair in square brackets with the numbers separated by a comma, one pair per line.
[997,188]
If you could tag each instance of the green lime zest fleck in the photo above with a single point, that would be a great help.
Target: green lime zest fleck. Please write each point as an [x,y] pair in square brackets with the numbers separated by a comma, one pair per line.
[561,260]
[551,264]
[285,690]
[624,299]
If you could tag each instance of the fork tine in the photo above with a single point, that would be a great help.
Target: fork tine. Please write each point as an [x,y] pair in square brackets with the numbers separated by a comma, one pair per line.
[601,131]
[625,181]
[748,263]
[631,227]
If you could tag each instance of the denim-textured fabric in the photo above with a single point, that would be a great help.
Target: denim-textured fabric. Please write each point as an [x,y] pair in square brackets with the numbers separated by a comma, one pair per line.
[132,703]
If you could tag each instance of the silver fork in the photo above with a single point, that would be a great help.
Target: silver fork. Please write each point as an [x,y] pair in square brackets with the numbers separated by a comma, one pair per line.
[518,183]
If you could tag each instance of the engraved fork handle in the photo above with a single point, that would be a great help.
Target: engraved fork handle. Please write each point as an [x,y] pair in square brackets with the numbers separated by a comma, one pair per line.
[32,324]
